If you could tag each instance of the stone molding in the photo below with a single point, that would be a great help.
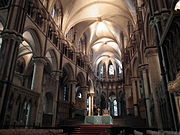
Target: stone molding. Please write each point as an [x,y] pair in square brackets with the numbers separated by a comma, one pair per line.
[56,74]
[72,82]
[143,67]
[126,86]
[151,51]
[85,88]
[11,34]
[135,78]
[41,60]
[174,86]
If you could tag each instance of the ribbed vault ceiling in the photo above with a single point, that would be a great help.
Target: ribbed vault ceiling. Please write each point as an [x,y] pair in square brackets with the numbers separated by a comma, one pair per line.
[102,21]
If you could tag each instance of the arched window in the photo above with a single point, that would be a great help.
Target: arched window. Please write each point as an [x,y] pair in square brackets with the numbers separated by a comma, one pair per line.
[56,13]
[101,70]
[26,113]
[120,70]
[1,29]
[111,70]
[53,12]
[115,108]
[177,7]
[66,93]
[78,93]
[88,103]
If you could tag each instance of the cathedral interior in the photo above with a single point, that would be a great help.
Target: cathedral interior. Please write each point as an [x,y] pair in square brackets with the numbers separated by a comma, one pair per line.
[64,60]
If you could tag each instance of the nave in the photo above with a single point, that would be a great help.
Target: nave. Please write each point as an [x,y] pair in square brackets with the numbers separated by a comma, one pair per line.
[86,64]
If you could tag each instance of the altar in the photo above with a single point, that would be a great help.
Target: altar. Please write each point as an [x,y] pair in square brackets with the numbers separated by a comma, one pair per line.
[101,120]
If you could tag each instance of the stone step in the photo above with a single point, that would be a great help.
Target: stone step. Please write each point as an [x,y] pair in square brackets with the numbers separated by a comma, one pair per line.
[91,130]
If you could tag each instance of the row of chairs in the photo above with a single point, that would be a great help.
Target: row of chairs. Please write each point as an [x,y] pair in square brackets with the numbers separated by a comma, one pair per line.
[31,132]
[150,132]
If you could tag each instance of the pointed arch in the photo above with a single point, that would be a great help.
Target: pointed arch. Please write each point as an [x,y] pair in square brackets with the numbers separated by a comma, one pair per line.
[51,57]
[81,79]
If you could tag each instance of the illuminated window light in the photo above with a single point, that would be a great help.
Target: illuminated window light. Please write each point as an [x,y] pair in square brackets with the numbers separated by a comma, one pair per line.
[111,70]
[177,7]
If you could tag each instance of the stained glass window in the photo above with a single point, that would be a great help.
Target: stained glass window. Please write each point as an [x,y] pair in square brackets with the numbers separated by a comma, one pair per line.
[115,108]
[111,70]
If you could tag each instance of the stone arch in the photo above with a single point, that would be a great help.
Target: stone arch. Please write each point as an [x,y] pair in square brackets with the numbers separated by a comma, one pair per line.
[51,58]
[91,86]
[55,8]
[69,70]
[81,79]
[36,45]
[98,68]
[111,98]
[67,77]
[113,66]
[29,48]
[112,94]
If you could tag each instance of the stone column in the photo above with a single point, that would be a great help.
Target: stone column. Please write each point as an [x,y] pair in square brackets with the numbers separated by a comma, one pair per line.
[11,39]
[151,54]
[38,71]
[144,69]
[135,95]
[72,94]
[127,96]
[85,92]
[57,75]
[91,104]
[72,84]
[39,63]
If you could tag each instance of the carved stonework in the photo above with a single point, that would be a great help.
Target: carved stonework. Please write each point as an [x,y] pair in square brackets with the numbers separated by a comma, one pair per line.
[127,86]
[39,60]
[10,34]
[151,51]
[73,82]
[57,74]
[143,67]
[174,86]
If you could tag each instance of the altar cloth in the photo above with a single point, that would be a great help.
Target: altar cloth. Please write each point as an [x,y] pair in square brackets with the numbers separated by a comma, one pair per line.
[98,120]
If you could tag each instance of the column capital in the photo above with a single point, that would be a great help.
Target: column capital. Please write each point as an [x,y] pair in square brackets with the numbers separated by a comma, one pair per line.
[165,16]
[57,74]
[126,86]
[135,78]
[157,19]
[41,60]
[91,94]
[11,34]
[72,82]
[151,51]
[85,88]
[152,23]
[143,67]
